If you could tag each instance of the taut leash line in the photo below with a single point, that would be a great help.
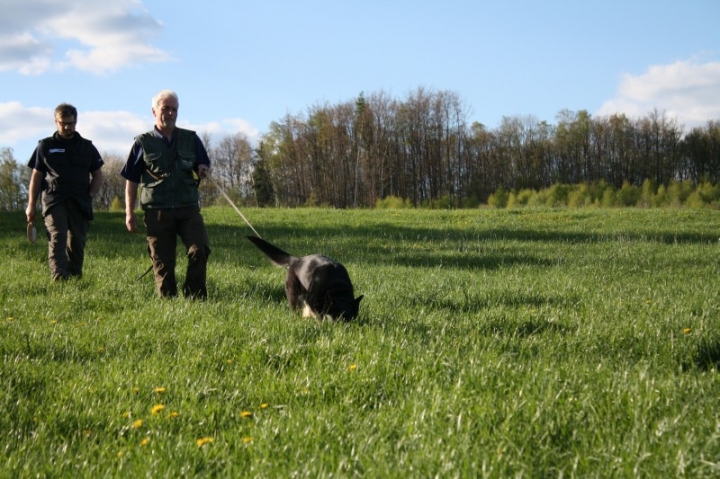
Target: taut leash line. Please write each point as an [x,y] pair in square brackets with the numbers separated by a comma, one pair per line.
[222,192]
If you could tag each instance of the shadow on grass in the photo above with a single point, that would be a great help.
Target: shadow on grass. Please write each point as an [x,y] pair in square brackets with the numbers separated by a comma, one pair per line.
[43,349]
[515,300]
[708,355]
[404,233]
[375,243]
[496,328]
[393,245]
[249,289]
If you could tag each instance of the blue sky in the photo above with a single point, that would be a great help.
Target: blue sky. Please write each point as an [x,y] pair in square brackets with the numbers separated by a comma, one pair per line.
[239,65]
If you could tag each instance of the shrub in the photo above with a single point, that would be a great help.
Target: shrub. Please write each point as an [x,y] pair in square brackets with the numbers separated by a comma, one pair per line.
[499,199]
[704,195]
[708,192]
[629,195]
[695,200]
[558,194]
[538,198]
[660,196]
[678,192]
[117,205]
[648,196]
[472,202]
[609,198]
[444,202]
[392,203]
[580,197]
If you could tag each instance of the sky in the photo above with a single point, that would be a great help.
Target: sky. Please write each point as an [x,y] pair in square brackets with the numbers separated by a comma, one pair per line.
[237,66]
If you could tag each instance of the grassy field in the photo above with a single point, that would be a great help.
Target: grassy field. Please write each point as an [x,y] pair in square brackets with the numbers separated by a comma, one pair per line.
[513,343]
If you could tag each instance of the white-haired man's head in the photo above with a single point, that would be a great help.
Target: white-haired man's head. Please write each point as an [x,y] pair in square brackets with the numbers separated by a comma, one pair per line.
[165,109]
[162,95]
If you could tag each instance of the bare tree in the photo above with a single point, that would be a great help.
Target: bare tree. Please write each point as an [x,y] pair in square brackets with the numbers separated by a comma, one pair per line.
[14,180]
[113,187]
[231,160]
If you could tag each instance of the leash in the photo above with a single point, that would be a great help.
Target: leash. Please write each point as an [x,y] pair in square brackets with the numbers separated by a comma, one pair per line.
[222,192]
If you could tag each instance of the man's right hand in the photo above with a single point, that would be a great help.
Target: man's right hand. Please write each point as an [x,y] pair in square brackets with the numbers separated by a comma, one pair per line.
[131,222]
[30,213]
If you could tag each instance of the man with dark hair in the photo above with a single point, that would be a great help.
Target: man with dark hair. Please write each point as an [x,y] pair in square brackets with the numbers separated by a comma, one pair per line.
[169,162]
[67,169]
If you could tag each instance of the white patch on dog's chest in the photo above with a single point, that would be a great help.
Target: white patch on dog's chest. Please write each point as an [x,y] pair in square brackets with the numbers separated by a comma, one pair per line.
[308,312]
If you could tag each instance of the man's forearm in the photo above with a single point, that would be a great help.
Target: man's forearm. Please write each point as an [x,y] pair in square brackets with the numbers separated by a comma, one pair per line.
[95,183]
[131,189]
[34,187]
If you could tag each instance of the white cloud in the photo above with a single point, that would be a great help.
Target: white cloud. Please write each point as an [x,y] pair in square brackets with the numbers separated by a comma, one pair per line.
[19,123]
[685,90]
[112,131]
[99,37]
[228,127]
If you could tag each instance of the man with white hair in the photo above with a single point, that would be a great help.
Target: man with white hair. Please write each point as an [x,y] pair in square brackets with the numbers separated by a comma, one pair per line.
[169,162]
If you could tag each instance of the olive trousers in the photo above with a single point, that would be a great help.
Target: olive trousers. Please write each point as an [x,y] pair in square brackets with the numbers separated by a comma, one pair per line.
[163,228]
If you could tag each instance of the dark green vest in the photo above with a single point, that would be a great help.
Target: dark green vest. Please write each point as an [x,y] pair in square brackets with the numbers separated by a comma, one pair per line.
[168,180]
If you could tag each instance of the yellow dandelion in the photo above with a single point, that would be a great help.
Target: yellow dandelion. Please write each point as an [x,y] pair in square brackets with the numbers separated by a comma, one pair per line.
[247,439]
[126,414]
[352,367]
[264,405]
[9,318]
[136,390]
[229,361]
[138,424]
[246,414]
[145,441]
[157,409]
[120,453]
[204,440]
[687,331]
[159,390]
[174,414]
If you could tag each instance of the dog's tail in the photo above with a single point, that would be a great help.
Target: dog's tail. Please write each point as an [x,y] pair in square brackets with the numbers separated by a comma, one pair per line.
[276,255]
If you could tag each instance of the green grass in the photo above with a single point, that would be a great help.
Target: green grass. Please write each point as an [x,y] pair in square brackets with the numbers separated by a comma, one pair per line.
[517,343]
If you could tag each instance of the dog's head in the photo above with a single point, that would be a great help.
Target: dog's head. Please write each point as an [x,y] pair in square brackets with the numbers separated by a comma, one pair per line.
[344,309]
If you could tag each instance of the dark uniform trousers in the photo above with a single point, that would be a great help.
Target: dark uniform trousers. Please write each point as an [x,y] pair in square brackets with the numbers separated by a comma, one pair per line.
[67,229]
[163,228]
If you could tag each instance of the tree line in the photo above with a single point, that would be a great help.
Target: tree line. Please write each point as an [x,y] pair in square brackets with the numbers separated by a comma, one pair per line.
[423,149]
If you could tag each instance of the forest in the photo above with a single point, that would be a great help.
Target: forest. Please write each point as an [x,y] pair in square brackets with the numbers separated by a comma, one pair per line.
[425,150]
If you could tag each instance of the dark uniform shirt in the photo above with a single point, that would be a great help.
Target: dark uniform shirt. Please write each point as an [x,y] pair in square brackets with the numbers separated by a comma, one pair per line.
[66,165]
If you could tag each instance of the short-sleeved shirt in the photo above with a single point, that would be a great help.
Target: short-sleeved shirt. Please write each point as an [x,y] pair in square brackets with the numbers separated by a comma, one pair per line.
[66,165]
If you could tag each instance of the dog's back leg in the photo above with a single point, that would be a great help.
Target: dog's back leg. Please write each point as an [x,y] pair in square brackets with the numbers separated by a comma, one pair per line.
[293,289]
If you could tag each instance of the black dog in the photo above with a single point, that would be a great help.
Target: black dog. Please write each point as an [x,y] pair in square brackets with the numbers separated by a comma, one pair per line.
[318,281]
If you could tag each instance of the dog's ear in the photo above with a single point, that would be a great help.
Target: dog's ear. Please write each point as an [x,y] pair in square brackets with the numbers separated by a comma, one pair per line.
[357,300]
